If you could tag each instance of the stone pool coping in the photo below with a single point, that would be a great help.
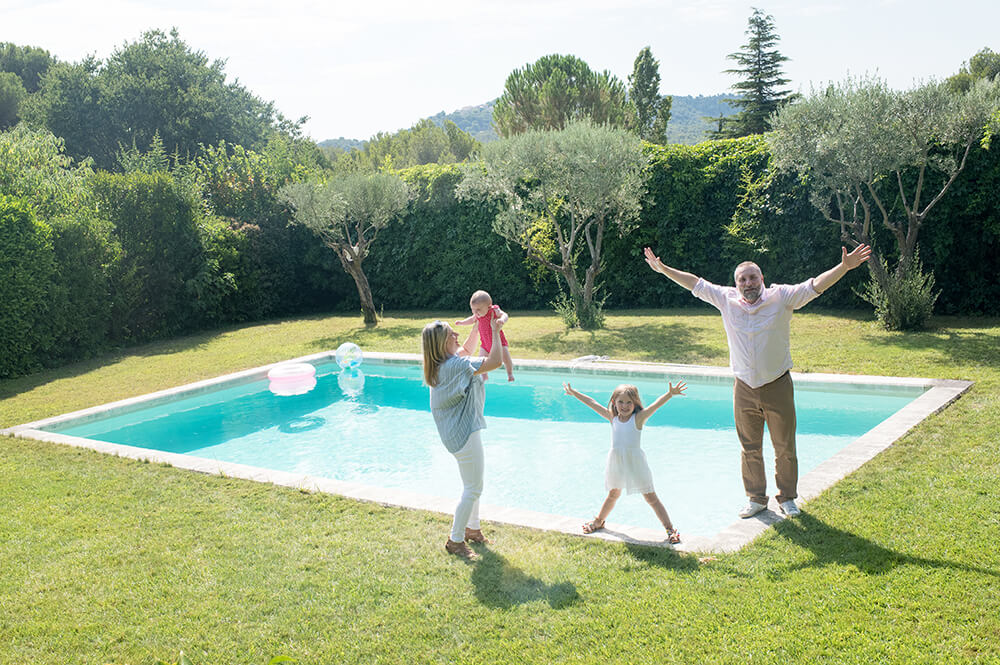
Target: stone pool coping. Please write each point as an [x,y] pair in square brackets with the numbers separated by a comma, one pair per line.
[939,393]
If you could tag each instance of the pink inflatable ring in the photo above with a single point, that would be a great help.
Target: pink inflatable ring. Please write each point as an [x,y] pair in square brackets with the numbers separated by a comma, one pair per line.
[292,378]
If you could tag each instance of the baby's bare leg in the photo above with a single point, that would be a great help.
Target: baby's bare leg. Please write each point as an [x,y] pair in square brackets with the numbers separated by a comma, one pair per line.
[508,363]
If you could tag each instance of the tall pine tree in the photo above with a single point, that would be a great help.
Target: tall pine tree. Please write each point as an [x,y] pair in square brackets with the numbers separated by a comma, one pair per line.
[759,91]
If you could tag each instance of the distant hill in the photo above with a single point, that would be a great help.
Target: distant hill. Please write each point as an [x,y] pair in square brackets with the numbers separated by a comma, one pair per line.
[687,120]
[475,120]
[687,117]
[341,144]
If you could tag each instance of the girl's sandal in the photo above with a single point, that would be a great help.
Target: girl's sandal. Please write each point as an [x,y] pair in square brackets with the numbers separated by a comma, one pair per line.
[673,536]
[593,525]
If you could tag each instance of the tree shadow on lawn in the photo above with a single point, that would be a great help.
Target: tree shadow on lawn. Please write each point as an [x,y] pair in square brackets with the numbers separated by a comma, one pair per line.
[966,346]
[363,336]
[194,341]
[833,546]
[367,336]
[667,342]
[500,585]
[21,384]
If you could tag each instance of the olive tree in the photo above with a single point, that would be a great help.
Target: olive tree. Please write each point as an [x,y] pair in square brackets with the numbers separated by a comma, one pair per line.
[879,156]
[558,191]
[346,213]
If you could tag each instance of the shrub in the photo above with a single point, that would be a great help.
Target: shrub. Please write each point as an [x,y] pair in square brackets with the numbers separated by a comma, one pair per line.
[908,300]
[576,314]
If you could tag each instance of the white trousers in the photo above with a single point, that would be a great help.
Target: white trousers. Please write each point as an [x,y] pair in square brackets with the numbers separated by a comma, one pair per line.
[471,465]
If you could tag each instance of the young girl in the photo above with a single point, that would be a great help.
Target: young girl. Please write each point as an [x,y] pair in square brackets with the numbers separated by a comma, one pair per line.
[627,467]
[484,311]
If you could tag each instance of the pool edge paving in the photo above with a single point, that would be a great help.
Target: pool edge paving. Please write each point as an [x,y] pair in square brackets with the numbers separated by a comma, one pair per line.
[939,393]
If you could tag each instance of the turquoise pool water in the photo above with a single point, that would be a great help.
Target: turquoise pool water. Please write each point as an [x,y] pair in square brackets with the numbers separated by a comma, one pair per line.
[545,451]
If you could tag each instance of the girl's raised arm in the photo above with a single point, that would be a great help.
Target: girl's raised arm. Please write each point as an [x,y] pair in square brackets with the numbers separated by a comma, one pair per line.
[643,416]
[589,401]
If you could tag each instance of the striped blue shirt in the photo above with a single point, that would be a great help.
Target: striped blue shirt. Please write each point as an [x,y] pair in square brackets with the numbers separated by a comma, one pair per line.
[457,401]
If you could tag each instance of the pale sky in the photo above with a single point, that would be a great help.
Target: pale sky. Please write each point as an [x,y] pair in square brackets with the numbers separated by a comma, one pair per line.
[358,67]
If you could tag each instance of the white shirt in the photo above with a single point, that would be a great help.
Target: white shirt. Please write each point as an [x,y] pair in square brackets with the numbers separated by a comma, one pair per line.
[758,334]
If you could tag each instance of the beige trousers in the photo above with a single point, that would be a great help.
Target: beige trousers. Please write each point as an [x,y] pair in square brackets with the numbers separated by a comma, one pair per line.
[774,404]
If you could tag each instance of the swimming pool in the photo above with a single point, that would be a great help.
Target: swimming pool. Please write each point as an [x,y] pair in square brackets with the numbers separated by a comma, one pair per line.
[545,451]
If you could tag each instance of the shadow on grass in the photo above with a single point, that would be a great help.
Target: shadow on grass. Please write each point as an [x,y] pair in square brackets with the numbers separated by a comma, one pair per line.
[669,342]
[833,546]
[500,585]
[970,347]
[855,315]
[363,336]
[12,387]
[663,557]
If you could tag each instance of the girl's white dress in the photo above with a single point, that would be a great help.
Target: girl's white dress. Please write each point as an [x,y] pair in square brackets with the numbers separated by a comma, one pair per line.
[627,467]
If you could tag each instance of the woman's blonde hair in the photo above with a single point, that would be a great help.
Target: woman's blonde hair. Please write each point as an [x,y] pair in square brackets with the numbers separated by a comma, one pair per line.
[434,341]
[626,390]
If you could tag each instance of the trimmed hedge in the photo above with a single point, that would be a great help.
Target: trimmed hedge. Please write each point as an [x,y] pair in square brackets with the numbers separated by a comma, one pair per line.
[81,301]
[162,282]
[278,269]
[27,281]
[694,195]
[444,249]
[960,241]
[34,169]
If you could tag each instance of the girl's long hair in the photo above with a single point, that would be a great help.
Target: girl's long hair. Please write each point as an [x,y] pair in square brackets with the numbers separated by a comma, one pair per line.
[434,341]
[629,391]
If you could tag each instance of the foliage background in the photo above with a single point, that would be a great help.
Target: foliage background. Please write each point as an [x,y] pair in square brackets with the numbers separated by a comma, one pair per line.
[707,207]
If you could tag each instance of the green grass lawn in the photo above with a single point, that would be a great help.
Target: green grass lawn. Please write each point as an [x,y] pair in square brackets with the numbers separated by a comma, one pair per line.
[110,560]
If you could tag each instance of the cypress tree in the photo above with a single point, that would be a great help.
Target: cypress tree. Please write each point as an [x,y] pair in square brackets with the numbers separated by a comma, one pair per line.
[759,90]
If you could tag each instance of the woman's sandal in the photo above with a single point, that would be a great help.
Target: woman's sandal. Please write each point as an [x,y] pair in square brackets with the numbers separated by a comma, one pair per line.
[459,549]
[593,525]
[475,536]
[673,536]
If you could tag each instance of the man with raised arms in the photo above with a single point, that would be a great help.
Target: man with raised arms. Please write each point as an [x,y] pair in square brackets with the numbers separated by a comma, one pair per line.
[757,321]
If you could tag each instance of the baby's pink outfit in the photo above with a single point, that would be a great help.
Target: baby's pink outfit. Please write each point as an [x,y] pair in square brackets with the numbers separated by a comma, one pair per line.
[486,331]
